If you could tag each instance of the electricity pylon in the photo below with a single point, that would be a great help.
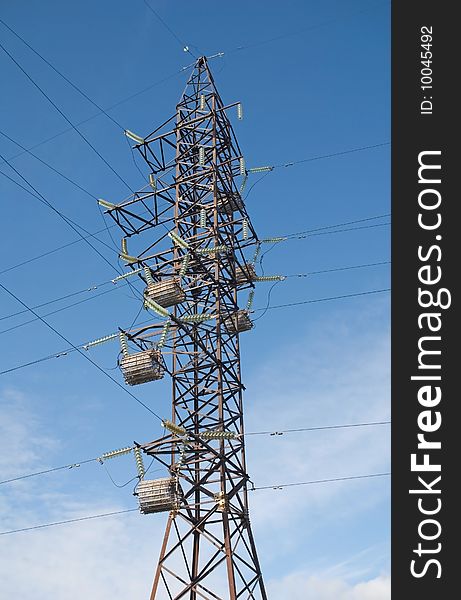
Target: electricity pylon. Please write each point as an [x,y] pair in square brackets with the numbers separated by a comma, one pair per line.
[199,272]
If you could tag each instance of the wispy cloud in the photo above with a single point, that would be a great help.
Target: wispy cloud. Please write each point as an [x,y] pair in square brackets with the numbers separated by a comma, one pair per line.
[299,586]
[336,372]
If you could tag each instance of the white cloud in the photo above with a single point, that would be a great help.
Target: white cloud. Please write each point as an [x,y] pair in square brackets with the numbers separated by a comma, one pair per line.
[299,586]
[21,447]
[336,377]
[337,373]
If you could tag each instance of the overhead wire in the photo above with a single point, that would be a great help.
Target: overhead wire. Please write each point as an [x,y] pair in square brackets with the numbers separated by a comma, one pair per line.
[110,227]
[252,489]
[56,70]
[148,88]
[70,222]
[126,99]
[344,223]
[317,428]
[76,129]
[332,155]
[66,178]
[280,486]
[251,433]
[272,433]
[70,350]
[77,520]
[326,230]
[340,230]
[48,302]
[46,471]
[76,348]
[44,254]
[304,29]
[184,46]
[46,164]
[376,264]
[94,287]
[54,312]
[315,300]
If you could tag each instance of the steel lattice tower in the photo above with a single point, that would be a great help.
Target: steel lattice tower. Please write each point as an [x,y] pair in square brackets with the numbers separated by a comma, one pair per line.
[202,256]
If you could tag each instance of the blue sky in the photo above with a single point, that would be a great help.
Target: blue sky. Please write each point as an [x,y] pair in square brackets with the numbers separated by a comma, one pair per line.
[313,78]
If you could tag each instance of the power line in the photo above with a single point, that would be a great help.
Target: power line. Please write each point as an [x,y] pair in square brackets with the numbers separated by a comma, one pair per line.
[76,129]
[77,185]
[79,351]
[69,350]
[54,312]
[340,230]
[109,514]
[52,470]
[270,433]
[57,249]
[71,295]
[122,101]
[343,224]
[253,489]
[37,361]
[325,230]
[298,483]
[319,428]
[324,299]
[144,90]
[376,264]
[96,233]
[87,98]
[184,46]
[99,285]
[56,70]
[321,157]
[303,30]
[70,222]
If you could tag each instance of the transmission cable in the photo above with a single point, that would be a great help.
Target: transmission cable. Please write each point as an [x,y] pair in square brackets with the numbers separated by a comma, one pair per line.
[122,101]
[367,293]
[112,281]
[48,302]
[269,433]
[76,129]
[79,351]
[317,428]
[304,29]
[77,520]
[77,185]
[70,350]
[376,264]
[56,70]
[72,224]
[321,157]
[343,224]
[58,310]
[57,249]
[184,46]
[252,489]
[298,483]
[52,470]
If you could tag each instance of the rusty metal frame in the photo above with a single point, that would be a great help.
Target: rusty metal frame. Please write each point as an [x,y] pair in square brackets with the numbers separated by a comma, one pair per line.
[208,551]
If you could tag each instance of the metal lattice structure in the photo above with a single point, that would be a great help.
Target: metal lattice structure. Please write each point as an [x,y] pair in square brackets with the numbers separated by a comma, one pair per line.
[198,273]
